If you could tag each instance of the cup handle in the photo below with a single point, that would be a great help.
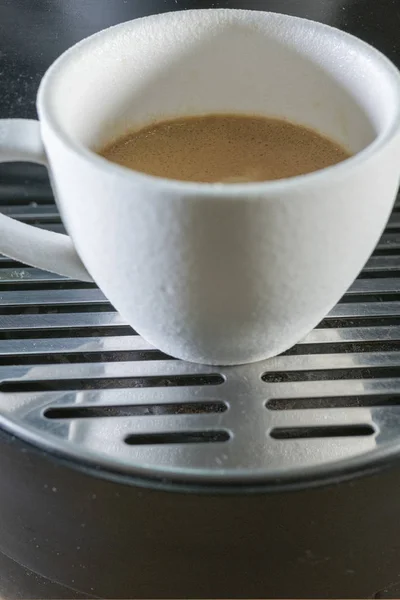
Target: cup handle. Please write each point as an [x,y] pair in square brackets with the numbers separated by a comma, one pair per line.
[20,140]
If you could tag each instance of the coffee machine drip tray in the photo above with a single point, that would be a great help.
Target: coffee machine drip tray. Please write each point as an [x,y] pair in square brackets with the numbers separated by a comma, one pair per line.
[76,380]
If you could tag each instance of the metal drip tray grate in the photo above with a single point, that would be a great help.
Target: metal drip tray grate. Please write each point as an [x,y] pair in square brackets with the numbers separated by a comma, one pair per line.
[76,379]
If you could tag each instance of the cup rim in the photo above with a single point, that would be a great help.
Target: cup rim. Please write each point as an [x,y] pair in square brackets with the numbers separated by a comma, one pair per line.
[298,182]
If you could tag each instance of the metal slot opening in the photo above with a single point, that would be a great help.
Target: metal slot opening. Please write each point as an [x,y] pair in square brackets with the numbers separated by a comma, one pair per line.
[370,297]
[369,401]
[341,347]
[340,322]
[331,374]
[181,437]
[33,195]
[110,383]
[380,274]
[8,263]
[386,252]
[23,285]
[298,433]
[58,332]
[139,410]
[42,220]
[83,357]
[45,309]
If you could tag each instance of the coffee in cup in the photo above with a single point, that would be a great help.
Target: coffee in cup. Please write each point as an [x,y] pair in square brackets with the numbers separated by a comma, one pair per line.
[225,148]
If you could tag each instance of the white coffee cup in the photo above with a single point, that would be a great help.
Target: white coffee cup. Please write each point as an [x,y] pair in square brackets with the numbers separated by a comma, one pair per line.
[213,273]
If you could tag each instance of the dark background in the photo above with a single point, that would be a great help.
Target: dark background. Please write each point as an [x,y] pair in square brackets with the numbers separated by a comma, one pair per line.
[34,32]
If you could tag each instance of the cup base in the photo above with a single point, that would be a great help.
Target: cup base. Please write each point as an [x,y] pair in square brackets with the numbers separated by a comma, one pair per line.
[229,359]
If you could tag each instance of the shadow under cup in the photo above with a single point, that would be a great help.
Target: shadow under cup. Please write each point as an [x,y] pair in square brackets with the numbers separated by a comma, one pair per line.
[250,271]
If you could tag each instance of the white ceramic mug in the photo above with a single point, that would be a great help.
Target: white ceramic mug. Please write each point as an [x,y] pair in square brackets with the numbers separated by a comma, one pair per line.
[214,273]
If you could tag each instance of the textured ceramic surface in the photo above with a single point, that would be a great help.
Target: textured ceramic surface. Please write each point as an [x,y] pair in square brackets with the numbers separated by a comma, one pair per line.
[213,273]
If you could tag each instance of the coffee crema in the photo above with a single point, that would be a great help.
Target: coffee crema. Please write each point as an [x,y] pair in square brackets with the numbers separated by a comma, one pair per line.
[226,148]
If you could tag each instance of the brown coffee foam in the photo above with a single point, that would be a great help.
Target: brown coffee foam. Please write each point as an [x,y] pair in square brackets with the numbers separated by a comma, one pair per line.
[225,148]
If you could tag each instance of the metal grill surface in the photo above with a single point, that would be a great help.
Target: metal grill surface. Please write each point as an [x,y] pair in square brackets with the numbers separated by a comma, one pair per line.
[75,379]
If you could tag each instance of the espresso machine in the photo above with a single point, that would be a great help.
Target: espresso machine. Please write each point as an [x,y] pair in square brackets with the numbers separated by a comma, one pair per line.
[128,474]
